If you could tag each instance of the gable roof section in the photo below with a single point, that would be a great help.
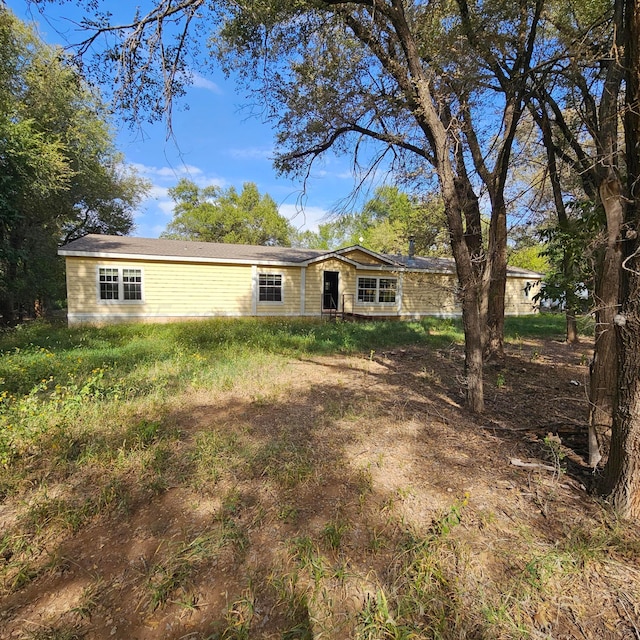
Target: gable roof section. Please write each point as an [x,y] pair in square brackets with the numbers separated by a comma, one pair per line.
[159,249]
[343,255]
[378,257]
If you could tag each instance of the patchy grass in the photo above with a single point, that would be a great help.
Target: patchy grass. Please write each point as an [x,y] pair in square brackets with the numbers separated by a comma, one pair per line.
[245,479]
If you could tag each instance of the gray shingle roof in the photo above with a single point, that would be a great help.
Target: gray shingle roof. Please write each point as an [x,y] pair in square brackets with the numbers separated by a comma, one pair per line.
[105,246]
[127,245]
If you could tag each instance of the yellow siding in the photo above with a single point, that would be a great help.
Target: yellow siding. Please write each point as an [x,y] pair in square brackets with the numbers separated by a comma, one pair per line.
[361,257]
[170,291]
[174,291]
[291,283]
[519,297]
[429,294]
[369,309]
[314,283]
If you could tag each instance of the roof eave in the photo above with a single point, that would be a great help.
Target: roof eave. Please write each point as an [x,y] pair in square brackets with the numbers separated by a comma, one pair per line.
[102,255]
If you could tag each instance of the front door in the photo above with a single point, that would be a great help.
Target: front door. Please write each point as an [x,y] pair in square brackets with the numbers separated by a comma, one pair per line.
[330,290]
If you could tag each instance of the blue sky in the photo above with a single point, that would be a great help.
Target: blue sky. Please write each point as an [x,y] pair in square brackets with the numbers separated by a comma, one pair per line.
[215,142]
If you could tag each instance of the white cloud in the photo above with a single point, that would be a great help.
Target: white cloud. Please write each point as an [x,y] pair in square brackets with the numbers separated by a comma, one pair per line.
[162,178]
[210,182]
[166,206]
[157,193]
[252,153]
[173,173]
[200,82]
[306,218]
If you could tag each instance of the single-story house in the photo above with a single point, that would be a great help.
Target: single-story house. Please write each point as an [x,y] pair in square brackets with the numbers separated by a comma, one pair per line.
[120,278]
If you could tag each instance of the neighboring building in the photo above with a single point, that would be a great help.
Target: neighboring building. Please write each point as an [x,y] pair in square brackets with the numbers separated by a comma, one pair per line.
[119,278]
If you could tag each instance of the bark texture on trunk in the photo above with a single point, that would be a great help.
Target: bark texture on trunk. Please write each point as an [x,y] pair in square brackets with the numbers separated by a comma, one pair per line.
[622,473]
[494,347]
[572,327]
[473,352]
[603,382]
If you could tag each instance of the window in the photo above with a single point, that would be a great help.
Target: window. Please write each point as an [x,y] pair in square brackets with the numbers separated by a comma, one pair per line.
[387,290]
[132,284]
[119,284]
[367,289]
[108,284]
[270,287]
[377,290]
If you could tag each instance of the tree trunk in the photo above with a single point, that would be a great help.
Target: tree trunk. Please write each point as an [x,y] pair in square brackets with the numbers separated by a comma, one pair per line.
[497,265]
[471,318]
[456,189]
[572,326]
[603,381]
[7,298]
[622,473]
[7,311]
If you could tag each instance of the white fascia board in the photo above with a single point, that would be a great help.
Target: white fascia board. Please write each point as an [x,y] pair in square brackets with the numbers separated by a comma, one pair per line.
[158,258]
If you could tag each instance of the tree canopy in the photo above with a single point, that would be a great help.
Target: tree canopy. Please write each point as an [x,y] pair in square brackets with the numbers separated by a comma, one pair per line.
[211,214]
[61,175]
[386,224]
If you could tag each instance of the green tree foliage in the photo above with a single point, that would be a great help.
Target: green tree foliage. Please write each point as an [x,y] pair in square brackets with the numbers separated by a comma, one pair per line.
[211,214]
[527,250]
[571,253]
[529,257]
[386,224]
[60,174]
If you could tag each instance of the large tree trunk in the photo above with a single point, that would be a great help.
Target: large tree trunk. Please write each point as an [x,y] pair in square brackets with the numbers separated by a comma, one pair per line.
[603,381]
[622,473]
[456,189]
[473,346]
[604,370]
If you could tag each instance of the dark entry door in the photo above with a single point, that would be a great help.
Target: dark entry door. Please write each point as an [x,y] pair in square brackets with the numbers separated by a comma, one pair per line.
[330,291]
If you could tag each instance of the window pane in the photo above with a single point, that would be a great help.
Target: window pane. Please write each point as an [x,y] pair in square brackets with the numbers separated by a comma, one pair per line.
[270,287]
[387,290]
[108,284]
[132,284]
[366,289]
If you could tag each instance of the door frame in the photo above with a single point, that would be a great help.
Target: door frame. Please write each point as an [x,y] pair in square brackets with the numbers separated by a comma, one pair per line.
[330,286]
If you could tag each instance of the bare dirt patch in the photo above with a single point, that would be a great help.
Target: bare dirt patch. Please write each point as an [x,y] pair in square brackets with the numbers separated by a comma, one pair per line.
[302,507]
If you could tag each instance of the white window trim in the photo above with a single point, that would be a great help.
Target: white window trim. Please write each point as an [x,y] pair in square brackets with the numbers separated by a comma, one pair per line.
[377,303]
[270,302]
[120,299]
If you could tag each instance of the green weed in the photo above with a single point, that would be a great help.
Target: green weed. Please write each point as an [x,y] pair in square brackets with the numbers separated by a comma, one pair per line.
[332,534]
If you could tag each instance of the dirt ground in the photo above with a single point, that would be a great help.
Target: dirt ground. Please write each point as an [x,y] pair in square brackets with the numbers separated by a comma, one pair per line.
[392,449]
